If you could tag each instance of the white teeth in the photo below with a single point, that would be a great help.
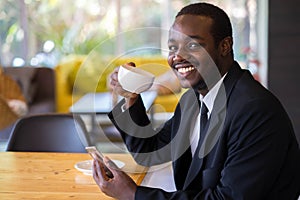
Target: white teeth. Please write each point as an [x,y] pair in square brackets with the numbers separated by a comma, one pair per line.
[184,70]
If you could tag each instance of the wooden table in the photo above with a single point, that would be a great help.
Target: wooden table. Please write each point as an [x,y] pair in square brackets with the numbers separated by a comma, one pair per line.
[25,175]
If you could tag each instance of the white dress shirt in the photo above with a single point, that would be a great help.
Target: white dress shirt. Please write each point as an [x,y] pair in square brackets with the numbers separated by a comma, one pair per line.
[209,100]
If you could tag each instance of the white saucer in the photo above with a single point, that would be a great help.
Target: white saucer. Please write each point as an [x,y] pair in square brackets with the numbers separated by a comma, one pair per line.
[86,166]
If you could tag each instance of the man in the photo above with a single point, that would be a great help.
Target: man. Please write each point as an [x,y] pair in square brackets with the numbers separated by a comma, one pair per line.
[246,150]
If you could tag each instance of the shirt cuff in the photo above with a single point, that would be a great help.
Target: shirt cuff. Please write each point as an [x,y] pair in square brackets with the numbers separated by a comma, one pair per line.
[123,107]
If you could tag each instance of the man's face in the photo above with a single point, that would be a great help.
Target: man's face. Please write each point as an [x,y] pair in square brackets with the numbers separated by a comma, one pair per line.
[192,51]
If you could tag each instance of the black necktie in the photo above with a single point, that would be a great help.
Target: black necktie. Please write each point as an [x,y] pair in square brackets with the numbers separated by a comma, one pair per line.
[203,118]
[197,159]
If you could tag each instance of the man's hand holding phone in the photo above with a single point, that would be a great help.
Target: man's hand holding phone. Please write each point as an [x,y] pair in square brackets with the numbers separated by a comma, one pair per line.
[98,156]
[111,180]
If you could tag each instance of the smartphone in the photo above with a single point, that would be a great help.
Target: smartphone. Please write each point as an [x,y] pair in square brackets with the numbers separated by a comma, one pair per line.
[97,155]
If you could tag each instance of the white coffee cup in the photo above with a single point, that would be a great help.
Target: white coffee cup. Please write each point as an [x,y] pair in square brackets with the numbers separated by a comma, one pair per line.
[134,79]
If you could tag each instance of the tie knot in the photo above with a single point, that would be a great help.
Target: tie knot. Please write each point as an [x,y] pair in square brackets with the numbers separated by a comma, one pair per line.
[204,109]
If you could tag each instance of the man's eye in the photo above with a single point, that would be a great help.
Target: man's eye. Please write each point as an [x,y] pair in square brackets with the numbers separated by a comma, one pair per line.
[172,48]
[193,46]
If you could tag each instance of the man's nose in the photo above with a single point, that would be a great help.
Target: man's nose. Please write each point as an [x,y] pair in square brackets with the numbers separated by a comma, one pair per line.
[180,55]
[177,57]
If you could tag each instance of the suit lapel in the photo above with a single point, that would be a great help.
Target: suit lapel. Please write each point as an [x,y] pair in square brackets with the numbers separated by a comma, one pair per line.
[188,115]
[181,151]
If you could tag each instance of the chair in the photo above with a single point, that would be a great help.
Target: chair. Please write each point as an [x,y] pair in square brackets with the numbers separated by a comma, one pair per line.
[49,133]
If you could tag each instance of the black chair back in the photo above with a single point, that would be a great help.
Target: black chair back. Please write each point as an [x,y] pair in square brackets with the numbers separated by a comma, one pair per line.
[49,133]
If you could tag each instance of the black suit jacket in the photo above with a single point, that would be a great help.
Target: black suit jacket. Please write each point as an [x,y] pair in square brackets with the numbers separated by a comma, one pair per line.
[249,150]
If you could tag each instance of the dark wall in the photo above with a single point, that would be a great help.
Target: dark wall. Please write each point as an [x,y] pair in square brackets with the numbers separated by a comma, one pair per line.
[284,56]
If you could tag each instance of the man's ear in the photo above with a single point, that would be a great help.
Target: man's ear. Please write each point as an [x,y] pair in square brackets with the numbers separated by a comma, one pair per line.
[226,46]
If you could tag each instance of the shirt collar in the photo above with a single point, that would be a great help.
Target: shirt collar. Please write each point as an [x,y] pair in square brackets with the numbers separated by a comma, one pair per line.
[210,97]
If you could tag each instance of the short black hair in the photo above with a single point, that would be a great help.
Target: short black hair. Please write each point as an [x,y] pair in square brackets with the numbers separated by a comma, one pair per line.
[221,26]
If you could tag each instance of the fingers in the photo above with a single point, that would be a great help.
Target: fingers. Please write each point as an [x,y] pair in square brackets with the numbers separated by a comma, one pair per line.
[99,172]
[104,171]
[116,86]
[106,184]
[100,177]
[113,78]
[114,75]
[111,165]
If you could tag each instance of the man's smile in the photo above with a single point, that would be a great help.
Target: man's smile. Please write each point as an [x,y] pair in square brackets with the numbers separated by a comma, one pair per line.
[184,69]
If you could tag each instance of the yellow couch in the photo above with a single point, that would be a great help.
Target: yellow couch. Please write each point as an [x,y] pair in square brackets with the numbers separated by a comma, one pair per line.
[77,75]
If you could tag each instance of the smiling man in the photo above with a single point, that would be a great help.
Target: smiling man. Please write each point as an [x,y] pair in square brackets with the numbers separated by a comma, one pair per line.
[229,138]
